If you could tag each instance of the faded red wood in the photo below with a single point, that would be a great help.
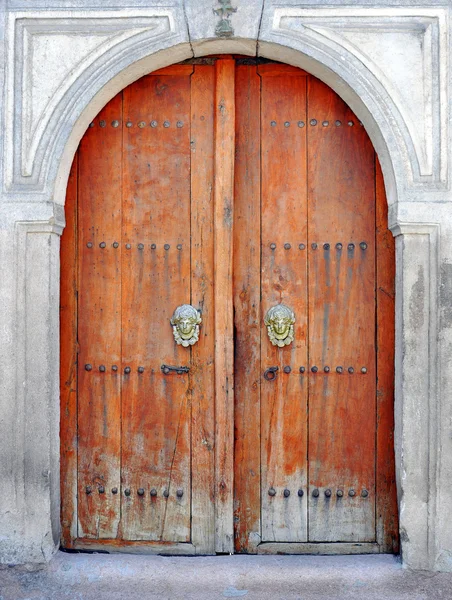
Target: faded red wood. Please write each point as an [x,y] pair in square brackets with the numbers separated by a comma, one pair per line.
[202,373]
[99,324]
[386,508]
[68,363]
[156,410]
[342,409]
[247,318]
[224,123]
[284,280]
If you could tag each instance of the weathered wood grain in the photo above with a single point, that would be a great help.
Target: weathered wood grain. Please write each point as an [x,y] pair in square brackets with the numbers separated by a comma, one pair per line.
[284,280]
[224,120]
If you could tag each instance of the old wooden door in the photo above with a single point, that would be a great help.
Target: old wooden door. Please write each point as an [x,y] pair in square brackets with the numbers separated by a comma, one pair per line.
[313,408]
[237,189]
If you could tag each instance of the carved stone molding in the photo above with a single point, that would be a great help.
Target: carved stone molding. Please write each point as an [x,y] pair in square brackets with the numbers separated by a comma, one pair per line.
[52,59]
[399,52]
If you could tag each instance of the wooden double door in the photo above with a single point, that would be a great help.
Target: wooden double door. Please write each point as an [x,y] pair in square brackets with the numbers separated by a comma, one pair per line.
[257,416]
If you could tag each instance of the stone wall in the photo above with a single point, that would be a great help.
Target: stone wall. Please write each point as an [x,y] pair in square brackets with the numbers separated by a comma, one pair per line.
[65,59]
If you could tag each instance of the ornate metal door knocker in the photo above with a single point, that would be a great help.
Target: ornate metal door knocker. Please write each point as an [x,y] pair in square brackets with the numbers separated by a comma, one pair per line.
[280,320]
[185,321]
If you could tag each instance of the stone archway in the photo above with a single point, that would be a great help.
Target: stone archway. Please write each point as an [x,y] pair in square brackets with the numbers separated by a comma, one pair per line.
[45,119]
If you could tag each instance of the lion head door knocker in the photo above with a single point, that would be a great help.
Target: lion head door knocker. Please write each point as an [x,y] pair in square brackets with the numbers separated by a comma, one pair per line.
[185,321]
[280,320]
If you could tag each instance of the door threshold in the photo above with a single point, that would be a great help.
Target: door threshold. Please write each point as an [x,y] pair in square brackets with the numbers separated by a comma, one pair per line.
[330,548]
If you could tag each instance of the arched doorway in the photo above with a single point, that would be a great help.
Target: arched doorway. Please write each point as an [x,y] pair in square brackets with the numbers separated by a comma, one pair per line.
[310,281]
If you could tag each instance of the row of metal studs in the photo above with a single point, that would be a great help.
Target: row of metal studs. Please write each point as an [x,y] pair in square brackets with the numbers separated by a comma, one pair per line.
[326,246]
[140,124]
[315,493]
[313,123]
[129,246]
[127,492]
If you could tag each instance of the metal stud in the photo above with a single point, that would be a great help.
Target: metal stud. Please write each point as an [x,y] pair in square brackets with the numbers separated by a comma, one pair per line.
[128,246]
[101,489]
[301,246]
[102,368]
[300,123]
[154,123]
[179,246]
[140,369]
[339,493]
[88,367]
[102,123]
[314,369]
[315,493]
[287,369]
[352,493]
[88,489]
[140,491]
[153,492]
[114,368]
[272,492]
[338,246]
[314,246]
[141,124]
[114,490]
[140,246]
[115,245]
[153,246]
[328,493]
[287,124]
[127,492]
[339,370]
[273,123]
[102,245]
[127,370]
[180,493]
[91,124]
[363,246]
[363,370]
[351,246]
[287,246]
[165,493]
[302,369]
[129,124]
[89,245]
[115,123]
[325,123]
[350,123]
[326,369]
[273,246]
[286,493]
[166,246]
[338,123]
[351,370]
[364,493]
[179,124]
[326,246]
[166,124]
[300,493]
[313,122]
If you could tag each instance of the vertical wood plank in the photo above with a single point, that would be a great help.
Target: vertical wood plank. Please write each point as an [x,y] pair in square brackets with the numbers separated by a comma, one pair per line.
[99,324]
[284,280]
[202,372]
[156,408]
[342,406]
[68,363]
[247,329]
[224,347]
[386,508]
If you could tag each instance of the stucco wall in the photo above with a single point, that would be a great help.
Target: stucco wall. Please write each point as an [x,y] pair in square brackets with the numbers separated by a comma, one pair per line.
[64,59]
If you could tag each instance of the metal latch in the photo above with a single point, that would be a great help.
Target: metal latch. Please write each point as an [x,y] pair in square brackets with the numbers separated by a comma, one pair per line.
[167,369]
